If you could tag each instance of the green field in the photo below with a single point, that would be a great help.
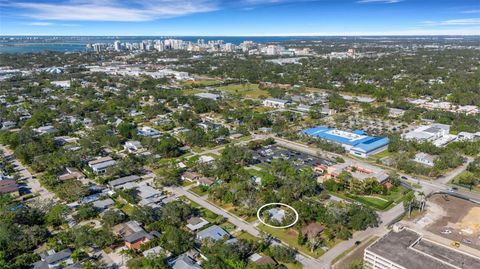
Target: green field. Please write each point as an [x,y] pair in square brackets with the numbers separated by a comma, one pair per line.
[379,202]
[246,90]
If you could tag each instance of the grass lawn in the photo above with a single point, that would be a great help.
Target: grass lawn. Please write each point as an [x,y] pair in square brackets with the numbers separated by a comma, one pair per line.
[246,90]
[379,155]
[289,236]
[187,183]
[199,190]
[296,265]
[207,214]
[379,202]
[190,202]
[127,209]
[229,227]
[373,201]
[246,236]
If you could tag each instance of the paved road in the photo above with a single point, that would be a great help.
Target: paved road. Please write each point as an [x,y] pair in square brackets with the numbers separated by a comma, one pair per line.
[32,183]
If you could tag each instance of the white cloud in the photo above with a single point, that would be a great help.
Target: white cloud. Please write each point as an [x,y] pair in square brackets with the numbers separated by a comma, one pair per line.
[454,22]
[114,10]
[379,1]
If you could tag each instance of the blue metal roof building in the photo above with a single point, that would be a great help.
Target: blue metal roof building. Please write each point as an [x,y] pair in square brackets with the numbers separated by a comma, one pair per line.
[355,142]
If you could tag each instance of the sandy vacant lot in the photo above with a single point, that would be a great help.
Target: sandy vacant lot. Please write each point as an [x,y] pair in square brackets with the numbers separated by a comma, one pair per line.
[460,217]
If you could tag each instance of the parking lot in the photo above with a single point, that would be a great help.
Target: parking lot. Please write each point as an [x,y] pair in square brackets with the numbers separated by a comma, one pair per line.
[267,154]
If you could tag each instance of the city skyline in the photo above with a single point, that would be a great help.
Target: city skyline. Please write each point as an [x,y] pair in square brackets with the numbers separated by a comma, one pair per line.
[240,18]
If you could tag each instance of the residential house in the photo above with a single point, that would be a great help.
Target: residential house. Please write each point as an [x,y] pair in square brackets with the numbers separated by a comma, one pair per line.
[277,214]
[204,159]
[190,176]
[100,165]
[101,205]
[185,261]
[275,103]
[156,251]
[132,146]
[119,183]
[196,223]
[137,239]
[206,95]
[148,132]
[262,260]
[425,159]
[9,186]
[212,233]
[48,129]
[54,260]
[71,173]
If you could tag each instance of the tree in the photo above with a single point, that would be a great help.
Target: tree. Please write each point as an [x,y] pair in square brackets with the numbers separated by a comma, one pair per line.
[282,253]
[56,215]
[176,240]
[86,211]
[168,174]
[113,217]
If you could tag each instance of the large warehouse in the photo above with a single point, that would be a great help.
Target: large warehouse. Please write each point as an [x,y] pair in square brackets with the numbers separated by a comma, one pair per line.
[356,142]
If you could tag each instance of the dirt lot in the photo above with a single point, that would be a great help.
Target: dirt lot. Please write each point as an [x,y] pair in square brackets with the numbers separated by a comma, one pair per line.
[453,214]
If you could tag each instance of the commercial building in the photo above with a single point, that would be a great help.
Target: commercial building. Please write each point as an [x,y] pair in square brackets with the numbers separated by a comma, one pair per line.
[403,248]
[438,134]
[356,142]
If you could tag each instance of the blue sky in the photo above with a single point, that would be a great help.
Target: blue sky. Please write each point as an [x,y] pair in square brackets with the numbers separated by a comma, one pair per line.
[239,17]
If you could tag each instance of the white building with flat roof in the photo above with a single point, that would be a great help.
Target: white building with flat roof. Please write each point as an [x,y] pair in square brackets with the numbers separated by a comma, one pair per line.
[275,102]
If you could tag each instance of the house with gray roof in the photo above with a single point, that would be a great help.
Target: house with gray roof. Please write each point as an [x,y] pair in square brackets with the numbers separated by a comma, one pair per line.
[52,259]
[100,165]
[213,233]
[119,182]
[185,261]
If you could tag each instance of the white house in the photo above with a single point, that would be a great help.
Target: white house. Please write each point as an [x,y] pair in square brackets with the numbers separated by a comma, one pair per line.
[100,165]
[275,102]
[425,159]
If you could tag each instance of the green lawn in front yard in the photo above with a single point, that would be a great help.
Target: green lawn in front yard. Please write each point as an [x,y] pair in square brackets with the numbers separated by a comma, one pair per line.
[296,265]
[290,236]
[228,226]
[373,202]
[187,183]
[246,236]
[189,202]
[199,190]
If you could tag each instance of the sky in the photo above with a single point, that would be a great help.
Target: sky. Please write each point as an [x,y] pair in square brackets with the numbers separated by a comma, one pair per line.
[239,17]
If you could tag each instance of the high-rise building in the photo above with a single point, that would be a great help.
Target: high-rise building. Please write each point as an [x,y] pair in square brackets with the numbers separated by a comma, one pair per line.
[117,45]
